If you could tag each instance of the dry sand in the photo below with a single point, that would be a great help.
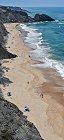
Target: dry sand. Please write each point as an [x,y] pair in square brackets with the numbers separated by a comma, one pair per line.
[28,84]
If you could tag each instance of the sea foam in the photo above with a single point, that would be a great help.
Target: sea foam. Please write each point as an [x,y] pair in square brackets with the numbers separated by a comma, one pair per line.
[41,52]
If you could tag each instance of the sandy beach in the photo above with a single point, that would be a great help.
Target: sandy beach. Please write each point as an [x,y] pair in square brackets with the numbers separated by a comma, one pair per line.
[27,86]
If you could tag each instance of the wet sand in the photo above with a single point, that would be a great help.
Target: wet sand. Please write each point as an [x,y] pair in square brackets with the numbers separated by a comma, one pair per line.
[41,90]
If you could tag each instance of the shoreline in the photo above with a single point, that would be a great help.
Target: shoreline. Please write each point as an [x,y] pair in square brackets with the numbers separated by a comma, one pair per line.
[20,73]
[45,61]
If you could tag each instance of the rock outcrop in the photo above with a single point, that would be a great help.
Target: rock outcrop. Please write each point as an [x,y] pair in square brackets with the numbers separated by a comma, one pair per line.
[15,14]
[42,18]
[4,54]
[3,34]
[13,125]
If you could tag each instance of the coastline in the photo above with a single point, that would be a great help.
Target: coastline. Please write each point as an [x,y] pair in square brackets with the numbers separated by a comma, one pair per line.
[20,73]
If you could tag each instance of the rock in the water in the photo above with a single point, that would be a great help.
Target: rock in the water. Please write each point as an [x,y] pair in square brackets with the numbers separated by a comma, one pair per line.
[42,18]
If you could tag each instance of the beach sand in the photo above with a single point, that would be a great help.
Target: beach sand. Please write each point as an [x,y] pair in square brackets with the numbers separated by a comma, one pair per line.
[27,86]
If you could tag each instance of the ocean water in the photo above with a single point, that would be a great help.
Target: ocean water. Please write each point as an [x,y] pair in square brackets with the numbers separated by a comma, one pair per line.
[47,39]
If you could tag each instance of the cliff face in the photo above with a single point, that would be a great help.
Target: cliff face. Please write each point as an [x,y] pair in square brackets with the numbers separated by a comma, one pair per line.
[3,34]
[12,14]
[4,54]
[13,125]
[16,14]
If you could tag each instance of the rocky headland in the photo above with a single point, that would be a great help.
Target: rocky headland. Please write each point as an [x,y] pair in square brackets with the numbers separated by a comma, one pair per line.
[16,14]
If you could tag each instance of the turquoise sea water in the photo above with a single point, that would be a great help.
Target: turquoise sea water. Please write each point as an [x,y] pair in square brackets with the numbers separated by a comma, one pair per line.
[47,39]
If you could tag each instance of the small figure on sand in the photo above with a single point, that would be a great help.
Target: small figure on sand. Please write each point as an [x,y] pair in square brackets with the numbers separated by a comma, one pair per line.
[28,82]
[41,95]
[9,94]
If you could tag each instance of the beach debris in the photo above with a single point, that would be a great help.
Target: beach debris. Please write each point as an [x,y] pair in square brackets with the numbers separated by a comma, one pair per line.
[26,108]
[9,94]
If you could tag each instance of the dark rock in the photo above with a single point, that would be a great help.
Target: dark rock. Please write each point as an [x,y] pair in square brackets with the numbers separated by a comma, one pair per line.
[3,34]
[42,18]
[1,94]
[13,125]
[4,54]
[30,19]
[5,81]
[13,14]
[16,14]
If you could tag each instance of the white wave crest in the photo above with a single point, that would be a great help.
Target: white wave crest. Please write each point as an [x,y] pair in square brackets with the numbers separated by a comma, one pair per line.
[41,52]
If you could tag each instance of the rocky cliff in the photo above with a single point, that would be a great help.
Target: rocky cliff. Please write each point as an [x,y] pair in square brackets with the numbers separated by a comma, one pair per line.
[13,14]
[16,14]
[4,54]
[13,125]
